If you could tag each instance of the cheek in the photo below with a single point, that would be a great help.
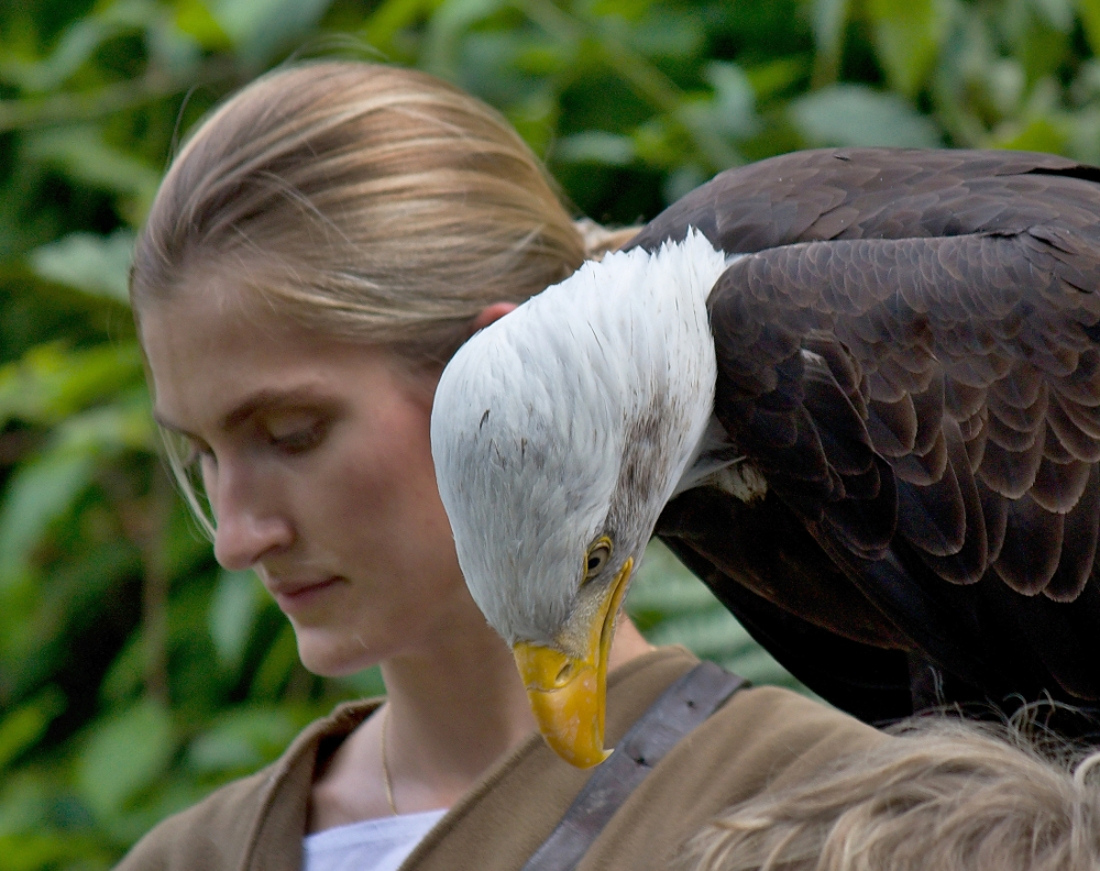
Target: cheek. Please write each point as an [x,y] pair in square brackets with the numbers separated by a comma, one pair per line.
[414,512]
[389,482]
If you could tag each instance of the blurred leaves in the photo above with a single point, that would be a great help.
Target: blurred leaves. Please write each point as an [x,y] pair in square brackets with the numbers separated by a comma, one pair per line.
[908,37]
[124,754]
[134,674]
[257,29]
[235,604]
[21,728]
[855,115]
[86,262]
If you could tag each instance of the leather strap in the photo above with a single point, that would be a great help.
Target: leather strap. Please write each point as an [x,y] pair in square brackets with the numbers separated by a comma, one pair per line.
[680,708]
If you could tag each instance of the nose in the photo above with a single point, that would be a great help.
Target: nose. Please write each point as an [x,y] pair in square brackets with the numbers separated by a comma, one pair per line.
[248,525]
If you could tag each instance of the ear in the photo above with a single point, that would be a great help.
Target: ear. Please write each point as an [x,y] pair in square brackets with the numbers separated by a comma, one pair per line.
[489,314]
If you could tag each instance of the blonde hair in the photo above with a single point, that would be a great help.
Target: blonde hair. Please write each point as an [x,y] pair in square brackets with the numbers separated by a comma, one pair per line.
[945,796]
[368,203]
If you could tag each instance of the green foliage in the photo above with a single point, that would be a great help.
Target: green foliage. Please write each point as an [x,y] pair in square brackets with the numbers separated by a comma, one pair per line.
[134,674]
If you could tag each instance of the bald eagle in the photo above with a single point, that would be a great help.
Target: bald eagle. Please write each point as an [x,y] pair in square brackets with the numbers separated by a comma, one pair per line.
[856,391]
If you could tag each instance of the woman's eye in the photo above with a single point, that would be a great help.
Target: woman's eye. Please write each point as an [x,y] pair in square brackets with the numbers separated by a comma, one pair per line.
[299,440]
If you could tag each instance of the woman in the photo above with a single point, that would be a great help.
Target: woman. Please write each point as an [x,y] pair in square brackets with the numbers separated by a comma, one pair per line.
[317,251]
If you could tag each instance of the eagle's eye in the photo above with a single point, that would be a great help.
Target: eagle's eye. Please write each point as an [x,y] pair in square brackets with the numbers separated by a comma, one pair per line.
[598,555]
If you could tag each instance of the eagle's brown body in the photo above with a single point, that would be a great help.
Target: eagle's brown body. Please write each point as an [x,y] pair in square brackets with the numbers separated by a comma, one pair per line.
[911,358]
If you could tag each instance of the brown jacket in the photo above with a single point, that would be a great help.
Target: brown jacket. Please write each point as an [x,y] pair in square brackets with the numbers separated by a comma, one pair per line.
[761,736]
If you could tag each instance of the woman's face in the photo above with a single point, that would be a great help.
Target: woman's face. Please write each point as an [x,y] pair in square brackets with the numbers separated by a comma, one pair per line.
[315,458]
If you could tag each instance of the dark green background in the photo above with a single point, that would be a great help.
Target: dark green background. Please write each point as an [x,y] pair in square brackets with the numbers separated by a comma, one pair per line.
[134,675]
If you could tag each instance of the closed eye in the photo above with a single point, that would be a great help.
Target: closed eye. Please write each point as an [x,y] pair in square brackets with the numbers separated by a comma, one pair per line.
[300,440]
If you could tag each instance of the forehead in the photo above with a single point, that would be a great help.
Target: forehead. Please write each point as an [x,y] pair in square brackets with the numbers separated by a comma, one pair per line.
[214,347]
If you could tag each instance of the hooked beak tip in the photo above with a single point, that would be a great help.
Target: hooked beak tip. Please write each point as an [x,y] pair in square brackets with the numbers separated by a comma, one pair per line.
[568,693]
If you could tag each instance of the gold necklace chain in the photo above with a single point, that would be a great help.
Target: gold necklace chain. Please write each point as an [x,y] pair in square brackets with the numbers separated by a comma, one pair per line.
[387,781]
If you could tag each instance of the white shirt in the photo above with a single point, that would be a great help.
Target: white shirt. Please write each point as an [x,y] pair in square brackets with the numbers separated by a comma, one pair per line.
[369,845]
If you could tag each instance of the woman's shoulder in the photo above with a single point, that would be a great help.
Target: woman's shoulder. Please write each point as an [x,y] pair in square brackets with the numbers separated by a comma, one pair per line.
[759,734]
[209,834]
[266,810]
[759,738]
[764,711]
[777,734]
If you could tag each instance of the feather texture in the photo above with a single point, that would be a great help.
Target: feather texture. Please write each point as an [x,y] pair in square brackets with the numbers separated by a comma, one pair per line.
[564,420]
[903,360]
[955,295]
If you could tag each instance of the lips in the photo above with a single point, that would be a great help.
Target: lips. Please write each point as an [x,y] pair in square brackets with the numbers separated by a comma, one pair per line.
[295,595]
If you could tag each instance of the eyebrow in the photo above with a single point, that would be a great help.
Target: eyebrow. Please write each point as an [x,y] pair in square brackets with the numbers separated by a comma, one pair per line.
[261,400]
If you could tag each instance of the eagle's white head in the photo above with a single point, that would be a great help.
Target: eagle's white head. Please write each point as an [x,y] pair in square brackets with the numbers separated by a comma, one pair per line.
[558,435]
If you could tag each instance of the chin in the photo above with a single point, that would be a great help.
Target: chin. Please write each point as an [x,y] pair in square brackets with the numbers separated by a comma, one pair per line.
[331,654]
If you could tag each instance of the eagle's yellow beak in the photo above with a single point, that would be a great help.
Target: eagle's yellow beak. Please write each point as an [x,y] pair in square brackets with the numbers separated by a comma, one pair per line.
[568,693]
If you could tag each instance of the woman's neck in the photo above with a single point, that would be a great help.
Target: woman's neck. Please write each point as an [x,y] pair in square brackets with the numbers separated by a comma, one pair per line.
[448,717]
[451,717]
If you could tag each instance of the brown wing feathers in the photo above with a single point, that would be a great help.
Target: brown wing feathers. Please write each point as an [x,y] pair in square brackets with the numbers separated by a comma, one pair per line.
[909,353]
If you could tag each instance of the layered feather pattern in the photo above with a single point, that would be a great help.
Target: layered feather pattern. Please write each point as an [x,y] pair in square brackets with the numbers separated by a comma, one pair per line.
[909,353]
